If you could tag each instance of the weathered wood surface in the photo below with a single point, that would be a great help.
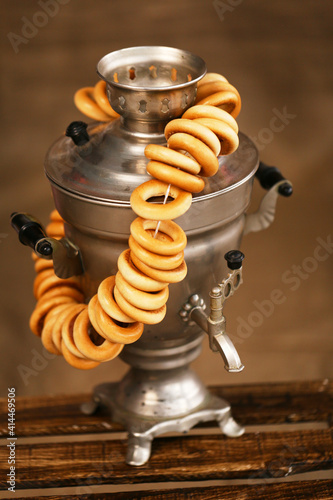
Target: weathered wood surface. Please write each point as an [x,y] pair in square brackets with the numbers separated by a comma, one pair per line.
[251,405]
[305,490]
[183,458]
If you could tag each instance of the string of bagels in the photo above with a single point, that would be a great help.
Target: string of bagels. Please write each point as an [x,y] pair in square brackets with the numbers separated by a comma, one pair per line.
[89,334]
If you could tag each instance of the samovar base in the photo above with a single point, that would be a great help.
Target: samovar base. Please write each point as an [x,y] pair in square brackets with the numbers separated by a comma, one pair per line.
[149,404]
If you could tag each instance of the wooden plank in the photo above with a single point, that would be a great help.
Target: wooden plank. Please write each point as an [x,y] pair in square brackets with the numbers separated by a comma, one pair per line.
[251,404]
[55,415]
[187,458]
[315,490]
[280,402]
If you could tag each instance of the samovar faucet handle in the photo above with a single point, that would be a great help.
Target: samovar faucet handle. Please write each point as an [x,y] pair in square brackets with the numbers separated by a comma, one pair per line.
[214,324]
[66,256]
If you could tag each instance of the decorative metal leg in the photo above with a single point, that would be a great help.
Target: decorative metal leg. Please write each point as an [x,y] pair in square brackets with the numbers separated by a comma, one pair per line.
[138,449]
[90,407]
[230,427]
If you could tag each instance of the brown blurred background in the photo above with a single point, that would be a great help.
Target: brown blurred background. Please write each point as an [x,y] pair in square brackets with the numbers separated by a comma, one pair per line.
[279,56]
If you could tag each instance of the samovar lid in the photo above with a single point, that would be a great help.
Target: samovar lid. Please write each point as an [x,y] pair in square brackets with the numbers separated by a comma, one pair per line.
[148,86]
[112,164]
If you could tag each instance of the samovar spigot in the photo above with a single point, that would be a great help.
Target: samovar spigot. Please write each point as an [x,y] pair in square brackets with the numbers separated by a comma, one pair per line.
[215,324]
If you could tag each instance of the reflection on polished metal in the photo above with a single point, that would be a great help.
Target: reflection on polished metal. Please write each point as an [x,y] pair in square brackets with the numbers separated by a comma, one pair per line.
[92,184]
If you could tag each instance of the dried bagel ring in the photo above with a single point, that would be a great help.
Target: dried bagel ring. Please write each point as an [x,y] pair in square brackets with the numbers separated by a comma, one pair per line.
[225,100]
[196,130]
[52,281]
[141,315]
[138,298]
[55,216]
[109,305]
[172,157]
[55,230]
[196,148]
[49,321]
[83,99]
[204,111]
[57,328]
[112,331]
[228,138]
[183,180]
[181,201]
[76,362]
[41,310]
[104,352]
[62,291]
[165,262]
[135,277]
[42,265]
[38,281]
[67,329]
[172,276]
[139,232]
[100,97]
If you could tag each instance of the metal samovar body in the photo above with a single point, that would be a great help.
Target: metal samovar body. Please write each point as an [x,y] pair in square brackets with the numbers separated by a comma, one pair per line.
[93,171]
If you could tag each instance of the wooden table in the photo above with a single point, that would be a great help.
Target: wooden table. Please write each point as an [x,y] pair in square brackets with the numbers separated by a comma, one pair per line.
[77,456]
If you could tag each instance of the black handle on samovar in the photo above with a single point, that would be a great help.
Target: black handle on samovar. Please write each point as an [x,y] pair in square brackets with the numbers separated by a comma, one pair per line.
[269,176]
[31,233]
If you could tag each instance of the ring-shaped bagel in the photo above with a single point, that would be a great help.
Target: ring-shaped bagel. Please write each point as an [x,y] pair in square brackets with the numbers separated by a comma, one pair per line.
[68,328]
[76,362]
[57,328]
[135,277]
[83,99]
[104,352]
[41,276]
[41,310]
[49,322]
[183,180]
[182,200]
[141,315]
[150,301]
[99,94]
[225,100]
[204,111]
[52,281]
[196,148]
[62,291]
[55,216]
[172,157]
[229,139]
[165,262]
[109,305]
[172,276]
[42,265]
[196,130]
[210,88]
[55,230]
[139,232]
[113,332]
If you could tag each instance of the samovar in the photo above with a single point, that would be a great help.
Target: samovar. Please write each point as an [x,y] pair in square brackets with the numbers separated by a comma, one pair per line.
[93,170]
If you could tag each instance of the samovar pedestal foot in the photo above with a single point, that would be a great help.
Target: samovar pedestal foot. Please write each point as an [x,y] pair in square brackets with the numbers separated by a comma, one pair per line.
[143,428]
